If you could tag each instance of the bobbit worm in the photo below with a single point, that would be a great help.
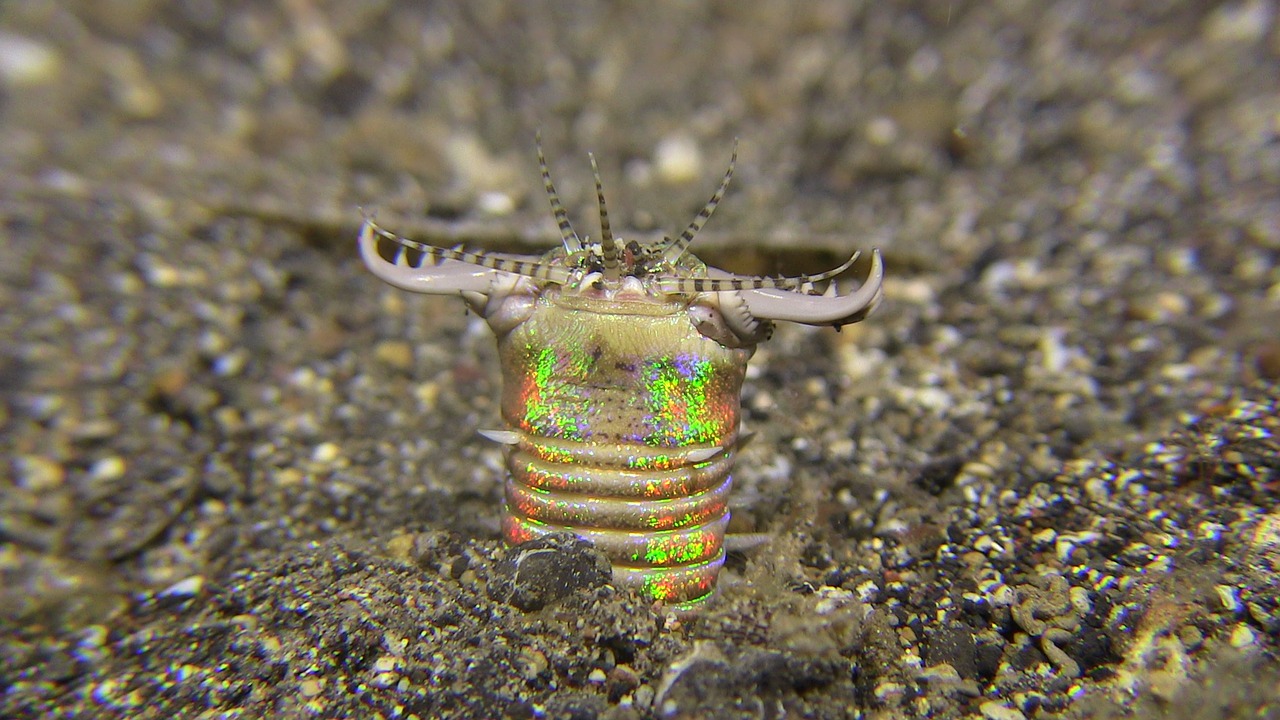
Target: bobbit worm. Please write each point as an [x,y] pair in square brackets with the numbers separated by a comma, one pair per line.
[622,369]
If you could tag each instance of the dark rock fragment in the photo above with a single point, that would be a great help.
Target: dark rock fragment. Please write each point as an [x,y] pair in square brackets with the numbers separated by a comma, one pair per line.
[954,645]
[539,572]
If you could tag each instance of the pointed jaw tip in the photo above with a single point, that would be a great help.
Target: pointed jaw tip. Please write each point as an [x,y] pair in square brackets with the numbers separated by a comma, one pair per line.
[826,309]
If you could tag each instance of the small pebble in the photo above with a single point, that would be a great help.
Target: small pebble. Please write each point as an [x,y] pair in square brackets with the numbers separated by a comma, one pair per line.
[108,468]
[943,673]
[621,681]
[677,159]
[643,696]
[325,453]
[39,474]
[24,61]
[1228,598]
[888,689]
[1242,637]
[881,131]
[190,587]
[1044,537]
[993,710]
[532,663]
[396,353]
[495,204]
[310,687]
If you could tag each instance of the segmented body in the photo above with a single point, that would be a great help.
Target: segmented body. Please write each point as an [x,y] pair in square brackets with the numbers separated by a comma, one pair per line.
[622,372]
[616,407]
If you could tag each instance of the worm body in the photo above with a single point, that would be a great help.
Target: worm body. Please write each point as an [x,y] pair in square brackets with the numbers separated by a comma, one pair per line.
[622,372]
[627,422]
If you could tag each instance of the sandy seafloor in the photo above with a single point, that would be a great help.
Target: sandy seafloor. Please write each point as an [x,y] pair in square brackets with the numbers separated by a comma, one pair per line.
[241,477]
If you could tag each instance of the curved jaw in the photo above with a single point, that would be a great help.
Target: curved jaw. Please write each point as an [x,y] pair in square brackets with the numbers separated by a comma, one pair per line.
[444,277]
[827,309]
[448,272]
[731,309]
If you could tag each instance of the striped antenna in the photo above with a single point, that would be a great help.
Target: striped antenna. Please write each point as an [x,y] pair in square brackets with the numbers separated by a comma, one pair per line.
[514,264]
[801,283]
[608,248]
[570,238]
[675,249]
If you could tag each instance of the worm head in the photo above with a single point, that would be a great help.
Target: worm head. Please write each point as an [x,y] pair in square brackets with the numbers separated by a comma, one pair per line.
[615,276]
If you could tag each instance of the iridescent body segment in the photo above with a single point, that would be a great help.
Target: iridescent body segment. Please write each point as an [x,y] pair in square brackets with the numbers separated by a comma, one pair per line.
[622,372]
[606,428]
